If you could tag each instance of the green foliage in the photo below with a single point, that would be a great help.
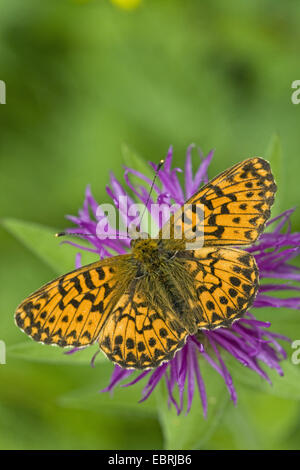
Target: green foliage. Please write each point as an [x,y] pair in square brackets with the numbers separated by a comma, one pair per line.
[33,352]
[192,430]
[42,242]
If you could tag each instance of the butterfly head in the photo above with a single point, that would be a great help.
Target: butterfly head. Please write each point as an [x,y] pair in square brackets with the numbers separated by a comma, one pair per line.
[136,236]
[147,251]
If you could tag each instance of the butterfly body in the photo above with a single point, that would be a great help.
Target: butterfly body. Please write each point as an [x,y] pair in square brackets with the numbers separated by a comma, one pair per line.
[164,279]
[142,306]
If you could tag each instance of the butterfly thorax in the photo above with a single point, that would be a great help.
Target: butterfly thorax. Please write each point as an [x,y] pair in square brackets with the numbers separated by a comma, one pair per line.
[150,254]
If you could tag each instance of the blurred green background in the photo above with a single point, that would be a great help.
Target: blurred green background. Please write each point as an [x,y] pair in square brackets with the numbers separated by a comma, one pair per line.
[84,78]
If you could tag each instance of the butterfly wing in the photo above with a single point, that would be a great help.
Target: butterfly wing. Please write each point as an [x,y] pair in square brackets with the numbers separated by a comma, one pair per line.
[230,210]
[138,336]
[225,282]
[92,302]
[71,310]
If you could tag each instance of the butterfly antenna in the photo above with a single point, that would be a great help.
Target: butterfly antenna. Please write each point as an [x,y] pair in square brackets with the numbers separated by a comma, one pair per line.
[64,234]
[152,186]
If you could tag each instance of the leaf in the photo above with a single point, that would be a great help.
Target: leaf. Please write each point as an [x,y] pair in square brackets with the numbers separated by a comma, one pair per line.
[123,401]
[135,424]
[192,431]
[286,386]
[260,420]
[38,352]
[133,160]
[42,242]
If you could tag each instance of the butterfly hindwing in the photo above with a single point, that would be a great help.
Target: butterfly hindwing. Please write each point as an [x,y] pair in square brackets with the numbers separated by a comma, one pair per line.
[225,281]
[139,336]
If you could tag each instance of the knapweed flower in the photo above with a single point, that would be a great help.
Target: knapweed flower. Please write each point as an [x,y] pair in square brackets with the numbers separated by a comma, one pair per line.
[249,340]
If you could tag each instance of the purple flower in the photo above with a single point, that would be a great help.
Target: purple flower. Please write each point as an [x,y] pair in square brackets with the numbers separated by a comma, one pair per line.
[249,340]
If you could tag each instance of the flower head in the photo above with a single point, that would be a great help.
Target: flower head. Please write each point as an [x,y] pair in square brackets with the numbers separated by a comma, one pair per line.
[249,340]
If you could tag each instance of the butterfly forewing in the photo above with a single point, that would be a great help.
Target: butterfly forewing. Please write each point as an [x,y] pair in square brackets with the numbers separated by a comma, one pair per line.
[232,208]
[70,310]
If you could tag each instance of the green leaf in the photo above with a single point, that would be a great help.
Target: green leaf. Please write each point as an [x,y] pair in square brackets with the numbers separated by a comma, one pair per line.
[123,401]
[133,160]
[286,386]
[192,431]
[41,241]
[37,352]
[274,156]
[260,420]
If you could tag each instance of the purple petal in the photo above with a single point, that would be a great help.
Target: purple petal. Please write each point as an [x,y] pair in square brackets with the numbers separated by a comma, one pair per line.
[201,175]
[200,382]
[118,375]
[189,172]
[153,381]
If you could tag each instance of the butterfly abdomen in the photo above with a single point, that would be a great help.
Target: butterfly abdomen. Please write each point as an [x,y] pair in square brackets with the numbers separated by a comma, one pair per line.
[176,286]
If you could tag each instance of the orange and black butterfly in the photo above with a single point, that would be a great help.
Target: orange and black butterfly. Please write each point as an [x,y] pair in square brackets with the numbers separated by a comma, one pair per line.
[141,306]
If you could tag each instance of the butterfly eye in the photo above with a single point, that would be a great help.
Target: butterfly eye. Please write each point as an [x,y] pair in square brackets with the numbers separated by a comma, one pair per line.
[134,232]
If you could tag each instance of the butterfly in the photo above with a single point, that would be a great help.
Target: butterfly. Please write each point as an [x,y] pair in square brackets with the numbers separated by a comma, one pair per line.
[142,306]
